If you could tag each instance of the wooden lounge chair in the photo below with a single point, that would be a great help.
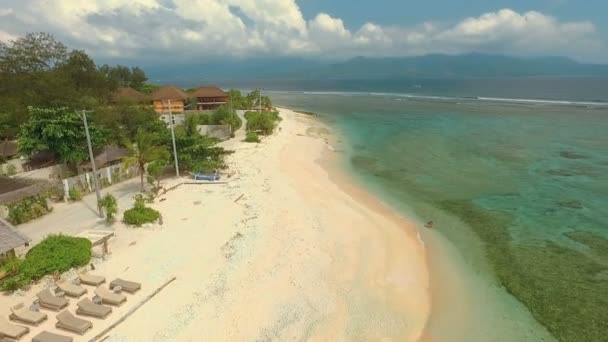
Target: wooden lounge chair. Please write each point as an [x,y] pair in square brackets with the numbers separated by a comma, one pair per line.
[109,297]
[125,285]
[71,289]
[91,279]
[86,307]
[69,322]
[11,331]
[46,336]
[50,301]
[19,313]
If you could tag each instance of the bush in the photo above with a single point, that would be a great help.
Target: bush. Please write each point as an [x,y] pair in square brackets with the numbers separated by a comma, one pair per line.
[252,137]
[263,122]
[74,194]
[28,209]
[110,206]
[11,170]
[55,254]
[140,214]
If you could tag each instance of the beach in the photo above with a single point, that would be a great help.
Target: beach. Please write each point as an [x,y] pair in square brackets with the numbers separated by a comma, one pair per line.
[286,247]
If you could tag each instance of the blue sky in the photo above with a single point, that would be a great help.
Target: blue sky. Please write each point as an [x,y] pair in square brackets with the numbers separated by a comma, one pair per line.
[325,29]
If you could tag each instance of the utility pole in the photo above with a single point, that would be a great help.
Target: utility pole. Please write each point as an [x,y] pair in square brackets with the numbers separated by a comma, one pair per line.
[173,139]
[92,157]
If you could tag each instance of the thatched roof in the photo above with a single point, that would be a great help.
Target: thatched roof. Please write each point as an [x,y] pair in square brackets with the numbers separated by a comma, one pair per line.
[10,237]
[209,92]
[129,94]
[16,189]
[107,155]
[9,149]
[169,93]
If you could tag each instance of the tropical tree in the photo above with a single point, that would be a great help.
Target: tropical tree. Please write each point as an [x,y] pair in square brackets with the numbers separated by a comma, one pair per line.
[61,132]
[145,149]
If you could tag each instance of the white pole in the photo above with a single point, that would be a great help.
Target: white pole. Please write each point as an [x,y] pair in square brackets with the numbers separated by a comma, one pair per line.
[86,128]
[259,100]
[173,139]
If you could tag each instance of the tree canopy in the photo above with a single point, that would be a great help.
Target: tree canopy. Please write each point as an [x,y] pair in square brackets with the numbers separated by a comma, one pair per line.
[60,131]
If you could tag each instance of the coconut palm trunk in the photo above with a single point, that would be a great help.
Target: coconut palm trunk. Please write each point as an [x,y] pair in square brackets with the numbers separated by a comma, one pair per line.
[144,150]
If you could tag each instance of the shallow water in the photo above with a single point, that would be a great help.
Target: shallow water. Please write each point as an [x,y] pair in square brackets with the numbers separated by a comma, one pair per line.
[518,191]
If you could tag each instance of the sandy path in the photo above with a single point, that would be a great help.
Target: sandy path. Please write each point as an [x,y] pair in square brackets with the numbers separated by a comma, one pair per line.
[303,255]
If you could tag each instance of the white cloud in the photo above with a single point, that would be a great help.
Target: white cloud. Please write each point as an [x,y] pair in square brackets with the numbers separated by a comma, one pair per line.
[198,28]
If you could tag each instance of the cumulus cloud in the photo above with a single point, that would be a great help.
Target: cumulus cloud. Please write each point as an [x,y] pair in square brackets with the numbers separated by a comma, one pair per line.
[199,28]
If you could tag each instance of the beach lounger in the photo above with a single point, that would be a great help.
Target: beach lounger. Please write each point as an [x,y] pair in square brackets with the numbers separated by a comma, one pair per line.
[86,307]
[69,322]
[11,331]
[21,314]
[109,297]
[71,289]
[125,285]
[49,301]
[46,336]
[91,279]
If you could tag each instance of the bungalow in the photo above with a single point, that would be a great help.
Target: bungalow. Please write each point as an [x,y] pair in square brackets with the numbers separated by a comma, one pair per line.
[129,95]
[209,98]
[10,238]
[162,96]
[104,157]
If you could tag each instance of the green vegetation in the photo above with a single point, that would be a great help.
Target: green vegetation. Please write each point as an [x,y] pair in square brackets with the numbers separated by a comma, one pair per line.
[263,122]
[60,131]
[123,120]
[74,194]
[140,214]
[523,271]
[11,170]
[28,209]
[250,101]
[197,153]
[155,172]
[225,116]
[122,76]
[252,137]
[110,207]
[144,150]
[55,254]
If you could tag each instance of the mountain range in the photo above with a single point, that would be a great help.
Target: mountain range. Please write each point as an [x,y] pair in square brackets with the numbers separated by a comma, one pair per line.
[365,68]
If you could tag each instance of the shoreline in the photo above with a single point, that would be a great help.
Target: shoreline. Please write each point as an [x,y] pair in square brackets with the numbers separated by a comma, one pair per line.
[460,299]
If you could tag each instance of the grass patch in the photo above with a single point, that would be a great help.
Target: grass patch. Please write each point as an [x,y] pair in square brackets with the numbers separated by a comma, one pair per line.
[564,289]
[252,137]
[55,254]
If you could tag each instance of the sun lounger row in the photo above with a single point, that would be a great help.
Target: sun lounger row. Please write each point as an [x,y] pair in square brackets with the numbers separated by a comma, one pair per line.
[66,320]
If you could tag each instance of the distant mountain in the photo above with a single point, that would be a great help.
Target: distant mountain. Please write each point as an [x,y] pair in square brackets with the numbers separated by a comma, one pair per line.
[363,68]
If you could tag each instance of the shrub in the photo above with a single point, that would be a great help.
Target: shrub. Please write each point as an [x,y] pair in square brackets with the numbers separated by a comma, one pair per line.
[11,170]
[252,137]
[140,214]
[263,122]
[74,194]
[11,266]
[55,254]
[110,206]
[28,209]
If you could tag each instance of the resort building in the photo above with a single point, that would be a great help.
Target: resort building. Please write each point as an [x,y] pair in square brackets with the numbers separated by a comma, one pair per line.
[8,150]
[209,98]
[104,157]
[10,238]
[127,94]
[162,96]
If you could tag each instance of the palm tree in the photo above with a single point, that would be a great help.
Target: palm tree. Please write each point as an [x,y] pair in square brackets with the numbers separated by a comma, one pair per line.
[144,150]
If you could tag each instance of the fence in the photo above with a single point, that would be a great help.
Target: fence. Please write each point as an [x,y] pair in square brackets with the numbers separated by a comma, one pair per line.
[107,176]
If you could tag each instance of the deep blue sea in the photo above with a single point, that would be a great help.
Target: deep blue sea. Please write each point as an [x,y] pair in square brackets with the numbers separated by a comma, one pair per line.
[514,176]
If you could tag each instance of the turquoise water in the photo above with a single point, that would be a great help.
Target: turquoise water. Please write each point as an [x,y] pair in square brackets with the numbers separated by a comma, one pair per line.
[520,191]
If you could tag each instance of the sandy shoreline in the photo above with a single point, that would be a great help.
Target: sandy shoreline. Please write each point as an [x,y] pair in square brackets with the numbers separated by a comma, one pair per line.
[304,254]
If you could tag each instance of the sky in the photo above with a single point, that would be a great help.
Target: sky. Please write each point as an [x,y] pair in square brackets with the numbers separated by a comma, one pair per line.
[149,30]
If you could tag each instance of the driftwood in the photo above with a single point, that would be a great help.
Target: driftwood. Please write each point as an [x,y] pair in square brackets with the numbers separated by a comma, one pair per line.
[238,199]
[135,308]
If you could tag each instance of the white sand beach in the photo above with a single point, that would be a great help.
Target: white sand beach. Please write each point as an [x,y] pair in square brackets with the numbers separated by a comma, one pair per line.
[303,254]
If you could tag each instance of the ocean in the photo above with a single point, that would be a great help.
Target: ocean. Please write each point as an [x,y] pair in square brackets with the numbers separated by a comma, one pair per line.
[516,187]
